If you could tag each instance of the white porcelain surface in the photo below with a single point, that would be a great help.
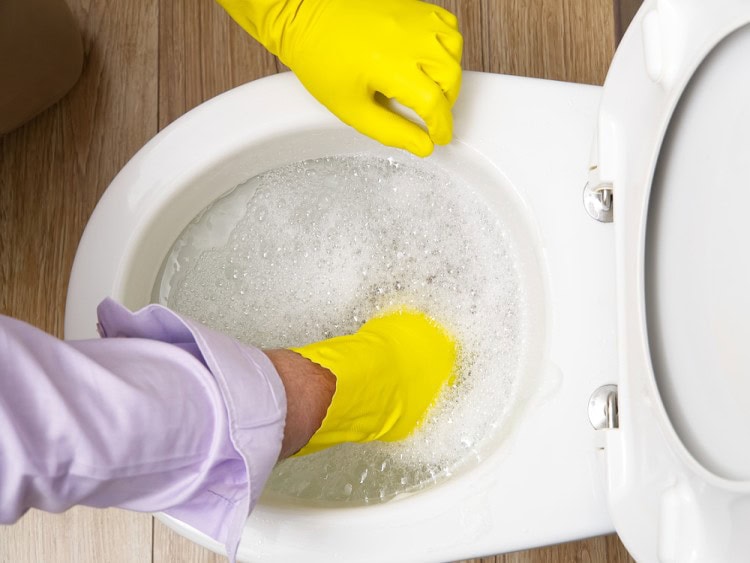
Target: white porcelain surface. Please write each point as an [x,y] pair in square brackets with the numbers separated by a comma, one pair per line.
[524,144]
[677,472]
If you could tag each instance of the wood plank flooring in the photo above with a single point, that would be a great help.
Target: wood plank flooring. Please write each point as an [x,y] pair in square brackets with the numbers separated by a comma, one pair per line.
[147,63]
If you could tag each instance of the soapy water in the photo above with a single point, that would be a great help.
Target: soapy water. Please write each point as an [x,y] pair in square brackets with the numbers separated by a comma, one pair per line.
[313,249]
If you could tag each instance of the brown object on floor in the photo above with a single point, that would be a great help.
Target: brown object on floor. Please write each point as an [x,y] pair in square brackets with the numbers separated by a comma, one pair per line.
[41,56]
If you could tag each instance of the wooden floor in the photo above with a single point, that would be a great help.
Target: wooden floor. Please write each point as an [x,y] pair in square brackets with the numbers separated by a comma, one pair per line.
[148,62]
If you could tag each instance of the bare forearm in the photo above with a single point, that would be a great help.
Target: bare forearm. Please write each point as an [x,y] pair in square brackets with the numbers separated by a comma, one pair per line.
[309,390]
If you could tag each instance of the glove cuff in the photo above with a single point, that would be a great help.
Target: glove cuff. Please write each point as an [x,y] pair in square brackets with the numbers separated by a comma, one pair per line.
[388,374]
[353,415]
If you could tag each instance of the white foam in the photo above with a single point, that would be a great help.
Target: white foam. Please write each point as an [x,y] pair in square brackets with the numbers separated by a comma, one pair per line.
[314,249]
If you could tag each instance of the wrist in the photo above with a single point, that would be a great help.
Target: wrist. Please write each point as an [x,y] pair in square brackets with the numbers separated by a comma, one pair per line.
[309,389]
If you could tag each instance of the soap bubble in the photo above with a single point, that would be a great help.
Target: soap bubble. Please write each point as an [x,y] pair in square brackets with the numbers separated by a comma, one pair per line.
[314,249]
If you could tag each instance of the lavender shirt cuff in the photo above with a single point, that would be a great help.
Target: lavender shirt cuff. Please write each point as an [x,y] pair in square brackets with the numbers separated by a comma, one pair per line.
[161,414]
[255,403]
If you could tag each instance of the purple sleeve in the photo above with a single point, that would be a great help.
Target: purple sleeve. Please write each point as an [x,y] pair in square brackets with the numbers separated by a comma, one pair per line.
[162,414]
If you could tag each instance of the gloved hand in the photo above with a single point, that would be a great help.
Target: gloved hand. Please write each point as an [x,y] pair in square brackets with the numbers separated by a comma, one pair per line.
[388,374]
[354,54]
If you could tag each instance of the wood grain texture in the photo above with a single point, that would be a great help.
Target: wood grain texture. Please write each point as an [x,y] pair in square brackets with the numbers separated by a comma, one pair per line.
[567,40]
[83,535]
[203,53]
[170,547]
[147,63]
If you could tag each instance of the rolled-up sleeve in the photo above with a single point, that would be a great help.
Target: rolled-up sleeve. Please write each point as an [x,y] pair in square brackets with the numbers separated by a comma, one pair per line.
[161,414]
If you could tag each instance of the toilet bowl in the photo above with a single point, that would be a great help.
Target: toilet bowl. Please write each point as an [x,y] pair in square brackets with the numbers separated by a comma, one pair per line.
[237,136]
[597,437]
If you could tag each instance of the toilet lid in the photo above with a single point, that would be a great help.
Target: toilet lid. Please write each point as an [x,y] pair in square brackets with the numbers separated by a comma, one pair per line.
[674,145]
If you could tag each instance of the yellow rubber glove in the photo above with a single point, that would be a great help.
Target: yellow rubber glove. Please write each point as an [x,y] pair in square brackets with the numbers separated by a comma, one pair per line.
[353,55]
[388,374]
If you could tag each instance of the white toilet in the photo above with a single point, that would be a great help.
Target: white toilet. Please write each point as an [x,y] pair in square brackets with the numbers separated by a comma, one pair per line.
[636,415]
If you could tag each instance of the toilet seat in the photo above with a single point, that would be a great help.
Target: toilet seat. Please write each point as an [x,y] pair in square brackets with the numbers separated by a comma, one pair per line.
[678,482]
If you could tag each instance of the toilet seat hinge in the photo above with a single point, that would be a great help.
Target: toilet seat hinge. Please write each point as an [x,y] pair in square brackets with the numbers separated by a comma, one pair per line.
[598,198]
[603,411]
